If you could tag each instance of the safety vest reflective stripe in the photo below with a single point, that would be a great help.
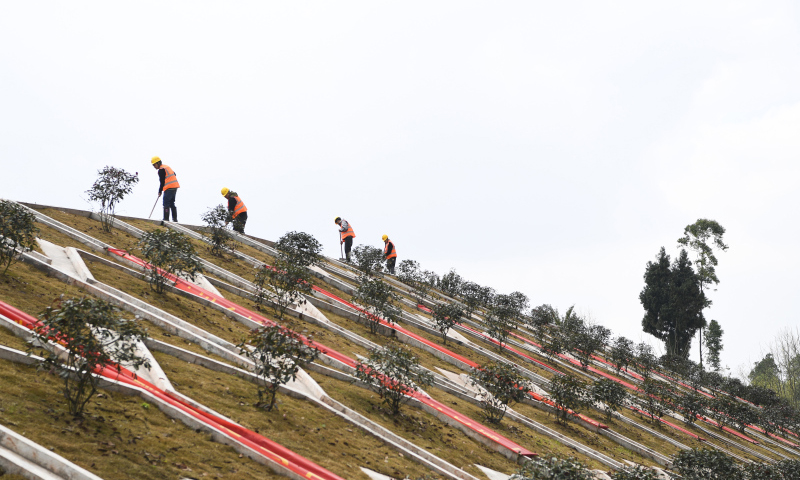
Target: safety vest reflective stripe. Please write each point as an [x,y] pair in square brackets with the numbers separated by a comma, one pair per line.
[239,208]
[170,179]
[347,233]
[386,248]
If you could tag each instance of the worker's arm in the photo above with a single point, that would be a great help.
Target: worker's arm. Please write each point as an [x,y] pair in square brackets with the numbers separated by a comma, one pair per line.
[344,226]
[389,249]
[162,175]
[231,204]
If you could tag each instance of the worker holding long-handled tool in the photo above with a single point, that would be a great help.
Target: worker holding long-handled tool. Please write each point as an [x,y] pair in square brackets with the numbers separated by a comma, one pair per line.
[346,236]
[168,186]
[389,253]
[237,212]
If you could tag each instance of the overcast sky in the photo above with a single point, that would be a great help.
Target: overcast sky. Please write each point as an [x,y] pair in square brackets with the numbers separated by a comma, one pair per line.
[545,147]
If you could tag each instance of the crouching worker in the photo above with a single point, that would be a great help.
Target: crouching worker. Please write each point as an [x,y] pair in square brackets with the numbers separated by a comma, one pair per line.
[389,253]
[237,212]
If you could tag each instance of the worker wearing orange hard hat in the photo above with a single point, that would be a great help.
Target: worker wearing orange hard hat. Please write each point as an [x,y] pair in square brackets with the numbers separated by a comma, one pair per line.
[389,253]
[168,185]
[237,211]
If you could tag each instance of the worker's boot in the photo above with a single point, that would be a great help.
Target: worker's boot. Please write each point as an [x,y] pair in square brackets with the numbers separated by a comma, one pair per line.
[347,257]
[175,214]
[166,214]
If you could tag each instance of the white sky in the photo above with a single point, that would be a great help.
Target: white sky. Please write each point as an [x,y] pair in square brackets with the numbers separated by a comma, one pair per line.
[546,147]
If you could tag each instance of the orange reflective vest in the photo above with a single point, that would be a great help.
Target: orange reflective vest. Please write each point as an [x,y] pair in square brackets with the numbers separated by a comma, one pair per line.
[239,208]
[348,232]
[386,248]
[170,179]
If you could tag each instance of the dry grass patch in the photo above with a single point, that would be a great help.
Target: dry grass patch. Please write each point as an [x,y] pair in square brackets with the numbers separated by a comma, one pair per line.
[121,438]
[419,427]
[301,426]
[30,290]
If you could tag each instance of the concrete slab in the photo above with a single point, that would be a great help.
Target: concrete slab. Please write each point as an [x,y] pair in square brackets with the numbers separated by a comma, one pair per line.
[58,257]
[77,263]
[22,456]
[493,474]
[375,475]
[201,281]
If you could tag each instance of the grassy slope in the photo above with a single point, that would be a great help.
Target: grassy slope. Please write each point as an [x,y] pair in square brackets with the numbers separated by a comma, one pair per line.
[190,311]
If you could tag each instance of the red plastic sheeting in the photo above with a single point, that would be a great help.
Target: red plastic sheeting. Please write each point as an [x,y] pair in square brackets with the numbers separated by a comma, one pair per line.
[466,421]
[687,432]
[695,389]
[789,432]
[761,430]
[195,290]
[182,284]
[534,395]
[629,372]
[512,349]
[577,363]
[263,445]
[727,429]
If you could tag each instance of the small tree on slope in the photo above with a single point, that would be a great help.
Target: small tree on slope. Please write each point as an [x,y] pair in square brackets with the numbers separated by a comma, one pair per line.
[285,282]
[368,259]
[445,316]
[109,189]
[169,253]
[278,354]
[502,318]
[217,231]
[706,465]
[378,300]
[17,232]
[622,353]
[568,393]
[554,468]
[505,386]
[93,334]
[393,372]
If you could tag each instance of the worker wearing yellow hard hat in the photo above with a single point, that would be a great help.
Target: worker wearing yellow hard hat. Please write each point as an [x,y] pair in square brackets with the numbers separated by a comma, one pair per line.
[389,253]
[346,236]
[237,211]
[168,185]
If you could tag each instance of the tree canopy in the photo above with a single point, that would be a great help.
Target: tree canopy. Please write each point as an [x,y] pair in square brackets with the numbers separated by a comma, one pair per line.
[673,302]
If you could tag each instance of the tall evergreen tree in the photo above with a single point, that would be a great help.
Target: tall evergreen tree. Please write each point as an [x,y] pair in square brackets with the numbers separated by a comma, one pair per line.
[714,343]
[673,302]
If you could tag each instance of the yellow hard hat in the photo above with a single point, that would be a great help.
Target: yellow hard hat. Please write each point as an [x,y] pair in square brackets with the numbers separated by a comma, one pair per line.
[385,237]
[154,160]
[336,220]
[225,191]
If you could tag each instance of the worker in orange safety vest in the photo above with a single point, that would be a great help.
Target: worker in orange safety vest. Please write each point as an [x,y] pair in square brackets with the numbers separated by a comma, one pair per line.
[237,211]
[346,236]
[389,253]
[168,185]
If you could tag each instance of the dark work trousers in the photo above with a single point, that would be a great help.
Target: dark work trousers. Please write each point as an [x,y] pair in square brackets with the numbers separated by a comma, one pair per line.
[169,204]
[348,244]
[239,221]
[390,264]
